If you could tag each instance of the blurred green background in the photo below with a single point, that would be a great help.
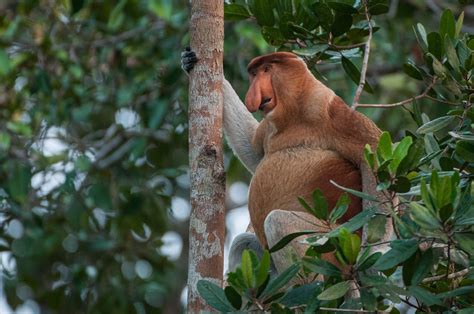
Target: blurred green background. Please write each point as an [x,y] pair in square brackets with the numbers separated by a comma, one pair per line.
[93,143]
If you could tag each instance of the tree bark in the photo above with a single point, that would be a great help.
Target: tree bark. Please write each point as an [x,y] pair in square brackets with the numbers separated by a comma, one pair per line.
[207,225]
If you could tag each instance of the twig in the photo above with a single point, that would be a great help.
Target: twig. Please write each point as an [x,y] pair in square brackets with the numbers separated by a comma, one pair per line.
[338,47]
[400,103]
[450,276]
[344,310]
[441,100]
[365,61]
[127,35]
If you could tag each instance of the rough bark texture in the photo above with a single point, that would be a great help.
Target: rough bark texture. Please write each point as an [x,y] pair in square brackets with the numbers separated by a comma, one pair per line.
[207,226]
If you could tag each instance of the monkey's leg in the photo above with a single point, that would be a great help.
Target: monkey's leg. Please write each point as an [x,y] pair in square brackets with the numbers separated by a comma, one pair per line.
[245,241]
[280,223]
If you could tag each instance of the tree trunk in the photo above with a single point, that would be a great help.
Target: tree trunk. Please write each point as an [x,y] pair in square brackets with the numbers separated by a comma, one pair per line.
[207,225]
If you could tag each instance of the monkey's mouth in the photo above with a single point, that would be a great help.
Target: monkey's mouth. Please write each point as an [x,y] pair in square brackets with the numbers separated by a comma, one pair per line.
[264,104]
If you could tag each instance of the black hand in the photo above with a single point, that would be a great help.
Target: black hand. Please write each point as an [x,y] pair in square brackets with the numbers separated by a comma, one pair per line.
[188,59]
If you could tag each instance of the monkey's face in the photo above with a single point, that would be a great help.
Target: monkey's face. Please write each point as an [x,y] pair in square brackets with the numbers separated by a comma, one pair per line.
[260,95]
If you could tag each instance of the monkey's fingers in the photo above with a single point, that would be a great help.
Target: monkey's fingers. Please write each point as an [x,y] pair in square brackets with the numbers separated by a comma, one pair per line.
[188,59]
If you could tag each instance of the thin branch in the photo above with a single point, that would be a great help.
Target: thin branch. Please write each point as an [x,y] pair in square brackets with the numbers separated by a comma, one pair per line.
[365,61]
[458,274]
[344,310]
[400,103]
[442,100]
[346,47]
[127,35]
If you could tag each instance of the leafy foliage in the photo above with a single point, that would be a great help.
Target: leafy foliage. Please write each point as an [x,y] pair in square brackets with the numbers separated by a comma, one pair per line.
[430,264]
[84,186]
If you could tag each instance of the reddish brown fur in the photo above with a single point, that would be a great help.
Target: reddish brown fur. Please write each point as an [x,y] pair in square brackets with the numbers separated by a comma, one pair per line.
[308,137]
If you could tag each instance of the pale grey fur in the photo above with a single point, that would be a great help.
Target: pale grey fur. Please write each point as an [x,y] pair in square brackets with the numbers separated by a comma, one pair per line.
[239,127]
[245,241]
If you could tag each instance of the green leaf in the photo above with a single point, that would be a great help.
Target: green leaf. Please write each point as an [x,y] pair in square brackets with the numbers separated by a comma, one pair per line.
[233,296]
[435,44]
[465,242]
[288,238]
[401,185]
[439,69]
[320,205]
[447,24]
[335,292]
[376,229]
[76,6]
[424,217]
[117,16]
[281,280]
[369,156]
[451,54]
[369,261]
[465,150]
[342,7]
[354,73]
[324,14]
[436,124]
[368,299]
[443,188]
[322,267]
[462,136]
[384,148]
[214,296]
[301,295]
[342,23]
[321,248]
[378,7]
[340,209]
[424,296]
[235,12]
[400,153]
[350,245]
[412,158]
[5,65]
[273,36]
[355,222]
[18,183]
[423,266]
[312,50]
[456,292]
[5,141]
[263,11]
[400,251]
[459,23]
[264,268]
[247,269]
[411,70]
[421,37]
[305,205]
[355,192]
[20,128]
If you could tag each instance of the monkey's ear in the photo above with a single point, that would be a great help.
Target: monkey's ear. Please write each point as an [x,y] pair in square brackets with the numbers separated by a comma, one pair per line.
[188,59]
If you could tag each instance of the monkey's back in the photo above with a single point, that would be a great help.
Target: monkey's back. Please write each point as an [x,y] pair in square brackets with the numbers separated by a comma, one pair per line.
[284,175]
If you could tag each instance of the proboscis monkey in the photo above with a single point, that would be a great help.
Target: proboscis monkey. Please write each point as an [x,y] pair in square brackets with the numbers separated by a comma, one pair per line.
[308,136]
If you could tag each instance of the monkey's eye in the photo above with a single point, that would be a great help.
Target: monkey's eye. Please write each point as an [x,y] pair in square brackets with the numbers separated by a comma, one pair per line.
[253,73]
[267,68]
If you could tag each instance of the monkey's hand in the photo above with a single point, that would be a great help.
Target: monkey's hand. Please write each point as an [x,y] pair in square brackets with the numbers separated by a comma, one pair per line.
[188,59]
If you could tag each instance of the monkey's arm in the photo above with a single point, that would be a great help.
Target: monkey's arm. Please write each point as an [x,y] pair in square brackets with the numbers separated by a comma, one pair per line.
[239,127]
[239,124]
[354,131]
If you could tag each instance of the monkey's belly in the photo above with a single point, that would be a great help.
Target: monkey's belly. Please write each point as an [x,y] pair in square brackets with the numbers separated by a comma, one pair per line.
[285,175]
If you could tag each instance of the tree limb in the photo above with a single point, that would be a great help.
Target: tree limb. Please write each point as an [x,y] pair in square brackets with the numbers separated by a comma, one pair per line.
[458,274]
[365,61]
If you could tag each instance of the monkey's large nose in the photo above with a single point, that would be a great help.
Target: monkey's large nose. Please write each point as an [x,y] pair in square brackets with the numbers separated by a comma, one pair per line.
[264,103]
